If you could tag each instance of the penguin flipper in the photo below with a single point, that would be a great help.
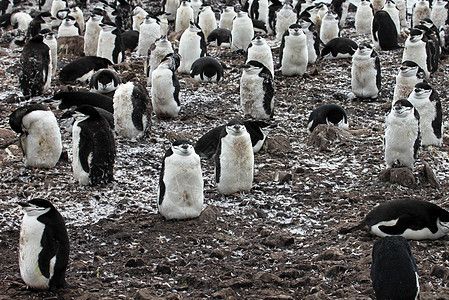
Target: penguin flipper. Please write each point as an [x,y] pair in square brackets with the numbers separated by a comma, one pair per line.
[85,148]
[49,250]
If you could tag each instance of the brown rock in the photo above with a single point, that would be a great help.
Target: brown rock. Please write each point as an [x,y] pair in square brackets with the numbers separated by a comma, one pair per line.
[331,254]
[284,177]
[278,145]
[267,278]
[335,270]
[439,272]
[226,293]
[427,175]
[403,176]
[236,283]
[325,135]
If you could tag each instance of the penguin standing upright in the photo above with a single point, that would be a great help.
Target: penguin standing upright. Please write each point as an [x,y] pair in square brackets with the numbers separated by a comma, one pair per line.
[110,44]
[170,7]
[402,135]
[330,27]
[132,113]
[227,17]
[365,72]
[364,17]
[180,193]
[416,49]
[207,69]
[341,7]
[411,218]
[68,28]
[377,5]
[444,38]
[393,269]
[207,21]
[192,46]
[104,81]
[421,10]
[384,32]
[21,21]
[196,6]
[150,31]
[427,102]
[284,18]
[184,15]
[39,22]
[391,8]
[329,114]
[260,51]
[242,32]
[77,13]
[39,135]
[440,13]
[35,61]
[402,7]
[162,48]
[433,46]
[234,159]
[258,10]
[93,147]
[92,32]
[293,55]
[409,75]
[43,246]
[50,41]
[257,91]
[313,41]
[139,16]
[56,6]
[165,88]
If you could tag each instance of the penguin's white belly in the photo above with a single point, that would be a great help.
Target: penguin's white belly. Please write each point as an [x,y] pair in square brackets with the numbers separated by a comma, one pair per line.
[363,20]
[29,248]
[242,34]
[42,145]
[311,53]
[91,36]
[416,52]
[106,44]
[148,35]
[427,112]
[285,18]
[237,164]
[81,176]
[183,181]
[404,86]
[400,137]
[155,58]
[420,13]
[295,56]
[252,96]
[438,15]
[363,79]
[67,31]
[189,49]
[262,54]
[183,18]
[329,30]
[162,93]
[123,110]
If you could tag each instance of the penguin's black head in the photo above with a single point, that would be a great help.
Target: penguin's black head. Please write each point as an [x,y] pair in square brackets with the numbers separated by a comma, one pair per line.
[427,22]
[108,25]
[47,33]
[402,108]
[258,40]
[295,29]
[62,13]
[15,118]
[235,127]
[416,35]
[365,49]
[422,90]
[69,20]
[36,207]
[410,68]
[182,147]
[84,111]
[45,16]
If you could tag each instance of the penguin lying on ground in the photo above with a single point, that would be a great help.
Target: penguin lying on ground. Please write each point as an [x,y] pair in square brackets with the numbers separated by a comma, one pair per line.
[104,81]
[220,36]
[410,218]
[330,114]
[93,147]
[207,69]
[78,98]
[339,48]
[83,68]
[40,138]
[393,269]
[180,193]
[234,160]
[207,145]
[402,135]
[43,246]
[132,110]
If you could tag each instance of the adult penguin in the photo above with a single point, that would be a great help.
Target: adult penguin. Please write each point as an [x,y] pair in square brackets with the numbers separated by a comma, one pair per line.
[234,160]
[83,68]
[39,135]
[132,112]
[92,32]
[68,28]
[294,55]
[35,76]
[365,72]
[427,102]
[43,246]
[110,44]
[207,69]
[78,98]
[257,91]
[391,8]
[39,22]
[313,40]
[93,147]
[192,46]
[411,218]
[104,81]
[402,135]
[384,32]
[330,114]
[417,49]
[52,43]
[165,88]
[242,32]
[260,51]
[162,48]
[409,75]
[393,269]
[180,193]
[339,48]
[220,37]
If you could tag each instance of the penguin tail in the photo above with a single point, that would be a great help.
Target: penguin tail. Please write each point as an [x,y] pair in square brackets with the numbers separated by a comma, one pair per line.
[351,229]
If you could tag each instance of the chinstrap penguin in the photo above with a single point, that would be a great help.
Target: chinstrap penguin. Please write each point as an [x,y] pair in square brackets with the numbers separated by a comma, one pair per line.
[339,48]
[330,27]
[207,69]
[260,51]
[242,32]
[364,17]
[330,114]
[150,31]
[83,68]
[313,40]
[220,37]
[184,15]
[162,48]
[384,33]
[78,98]
[192,46]
[365,72]
[43,246]
[409,75]
[92,33]
[180,193]
[207,21]
[416,49]
[110,44]
[104,81]
[284,19]
[294,55]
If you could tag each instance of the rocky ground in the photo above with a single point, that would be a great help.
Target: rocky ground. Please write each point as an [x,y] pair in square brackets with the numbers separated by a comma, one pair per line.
[278,241]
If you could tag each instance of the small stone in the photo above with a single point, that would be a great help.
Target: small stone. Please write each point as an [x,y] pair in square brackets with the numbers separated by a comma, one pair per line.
[226,293]
[284,177]
[428,175]
[403,176]
[163,269]
[331,254]
[267,278]
[438,272]
[218,253]
[133,263]
[236,283]
[335,270]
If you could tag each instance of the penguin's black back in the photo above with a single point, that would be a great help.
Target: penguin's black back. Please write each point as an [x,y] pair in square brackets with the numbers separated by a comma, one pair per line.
[221,35]
[339,45]
[77,98]
[15,118]
[393,269]
[384,30]
[130,39]
[82,66]
[207,66]
[141,104]
[332,112]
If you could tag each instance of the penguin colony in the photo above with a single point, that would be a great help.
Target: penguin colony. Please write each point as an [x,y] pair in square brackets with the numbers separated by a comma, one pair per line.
[415,119]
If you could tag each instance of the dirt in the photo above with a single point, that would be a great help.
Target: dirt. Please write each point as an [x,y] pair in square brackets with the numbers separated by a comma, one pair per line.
[278,241]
